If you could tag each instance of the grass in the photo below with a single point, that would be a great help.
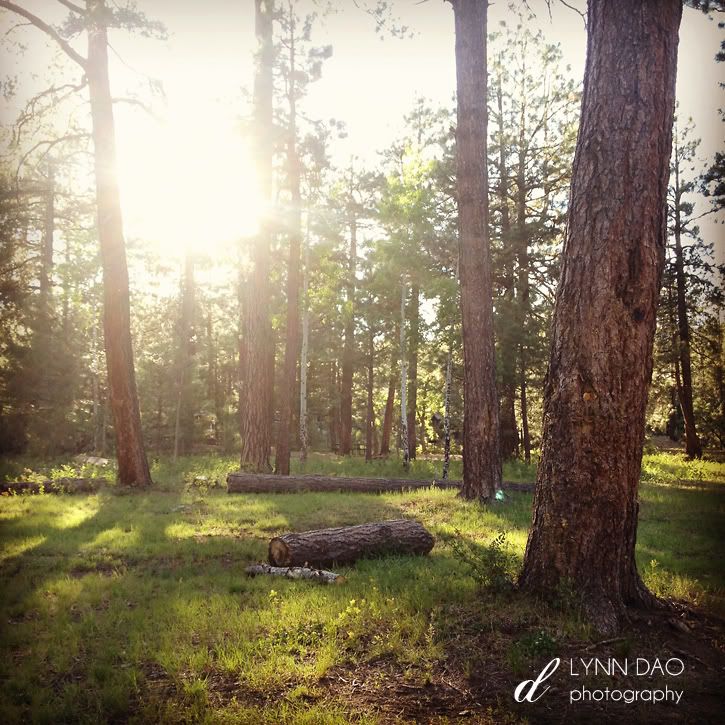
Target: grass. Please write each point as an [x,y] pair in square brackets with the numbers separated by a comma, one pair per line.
[135,607]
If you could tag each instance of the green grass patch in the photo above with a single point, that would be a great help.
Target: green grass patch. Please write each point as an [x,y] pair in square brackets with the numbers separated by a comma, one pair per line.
[136,607]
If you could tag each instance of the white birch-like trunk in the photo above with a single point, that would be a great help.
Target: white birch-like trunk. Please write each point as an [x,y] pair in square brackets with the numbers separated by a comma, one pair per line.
[403,382]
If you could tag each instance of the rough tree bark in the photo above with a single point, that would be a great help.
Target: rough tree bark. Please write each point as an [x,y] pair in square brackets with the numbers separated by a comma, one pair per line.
[292,343]
[692,442]
[585,507]
[133,468]
[481,454]
[347,544]
[257,375]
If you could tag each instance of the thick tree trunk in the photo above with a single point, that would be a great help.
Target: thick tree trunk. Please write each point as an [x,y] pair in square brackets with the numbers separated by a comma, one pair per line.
[257,353]
[692,442]
[389,409]
[403,381]
[348,352]
[347,544]
[585,507]
[133,468]
[413,369]
[481,453]
[292,345]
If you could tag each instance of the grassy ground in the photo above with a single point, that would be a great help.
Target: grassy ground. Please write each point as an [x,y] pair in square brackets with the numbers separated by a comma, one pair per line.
[135,608]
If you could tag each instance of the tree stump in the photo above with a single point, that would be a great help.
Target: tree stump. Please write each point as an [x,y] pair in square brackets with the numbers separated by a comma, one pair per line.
[346,544]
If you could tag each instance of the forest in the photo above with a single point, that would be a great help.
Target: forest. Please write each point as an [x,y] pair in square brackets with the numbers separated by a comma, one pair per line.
[424,300]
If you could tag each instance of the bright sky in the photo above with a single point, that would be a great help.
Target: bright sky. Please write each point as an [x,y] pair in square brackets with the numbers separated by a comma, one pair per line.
[187,179]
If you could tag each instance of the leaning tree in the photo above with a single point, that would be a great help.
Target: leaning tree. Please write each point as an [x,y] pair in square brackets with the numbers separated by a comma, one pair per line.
[95,19]
[585,506]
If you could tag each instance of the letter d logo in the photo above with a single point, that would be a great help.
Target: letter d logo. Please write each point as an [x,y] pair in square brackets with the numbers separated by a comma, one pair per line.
[547,672]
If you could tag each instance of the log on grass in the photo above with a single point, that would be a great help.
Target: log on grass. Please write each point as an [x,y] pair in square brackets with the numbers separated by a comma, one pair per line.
[57,485]
[269,483]
[346,544]
[296,572]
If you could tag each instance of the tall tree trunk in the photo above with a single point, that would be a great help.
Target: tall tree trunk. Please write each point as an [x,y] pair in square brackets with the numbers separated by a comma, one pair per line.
[413,368]
[389,409]
[334,409]
[481,453]
[305,346]
[292,343]
[184,421]
[507,341]
[370,418]
[133,468]
[46,258]
[257,375]
[403,381]
[692,442]
[585,506]
[348,352]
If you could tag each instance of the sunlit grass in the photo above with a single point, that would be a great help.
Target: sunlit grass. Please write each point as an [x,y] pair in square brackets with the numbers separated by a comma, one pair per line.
[121,606]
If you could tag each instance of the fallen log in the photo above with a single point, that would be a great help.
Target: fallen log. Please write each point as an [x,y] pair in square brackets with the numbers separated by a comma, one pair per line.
[346,544]
[270,483]
[296,572]
[57,485]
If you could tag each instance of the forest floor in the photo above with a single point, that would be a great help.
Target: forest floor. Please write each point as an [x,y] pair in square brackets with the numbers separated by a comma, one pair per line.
[120,607]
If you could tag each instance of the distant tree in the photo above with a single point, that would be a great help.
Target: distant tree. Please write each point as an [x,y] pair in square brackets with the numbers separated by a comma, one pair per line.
[585,507]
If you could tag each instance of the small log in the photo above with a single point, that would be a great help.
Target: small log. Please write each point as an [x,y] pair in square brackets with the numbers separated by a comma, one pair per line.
[296,572]
[57,485]
[346,544]
[269,483]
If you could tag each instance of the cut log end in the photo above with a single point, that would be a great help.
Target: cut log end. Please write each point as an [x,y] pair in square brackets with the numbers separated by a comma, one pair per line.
[279,552]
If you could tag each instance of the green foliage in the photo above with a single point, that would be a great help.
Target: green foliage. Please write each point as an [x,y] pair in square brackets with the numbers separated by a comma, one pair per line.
[492,565]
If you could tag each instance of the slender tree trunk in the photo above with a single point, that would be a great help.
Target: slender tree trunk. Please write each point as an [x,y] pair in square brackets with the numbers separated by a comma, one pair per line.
[481,452]
[403,381]
[447,419]
[348,353]
[370,420]
[585,506]
[184,421]
[133,468]
[257,374]
[46,258]
[305,346]
[334,409]
[413,368]
[507,342]
[525,435]
[292,345]
[692,442]
[389,409]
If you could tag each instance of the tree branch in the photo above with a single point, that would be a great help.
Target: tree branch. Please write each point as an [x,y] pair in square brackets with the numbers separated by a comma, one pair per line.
[72,7]
[47,29]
